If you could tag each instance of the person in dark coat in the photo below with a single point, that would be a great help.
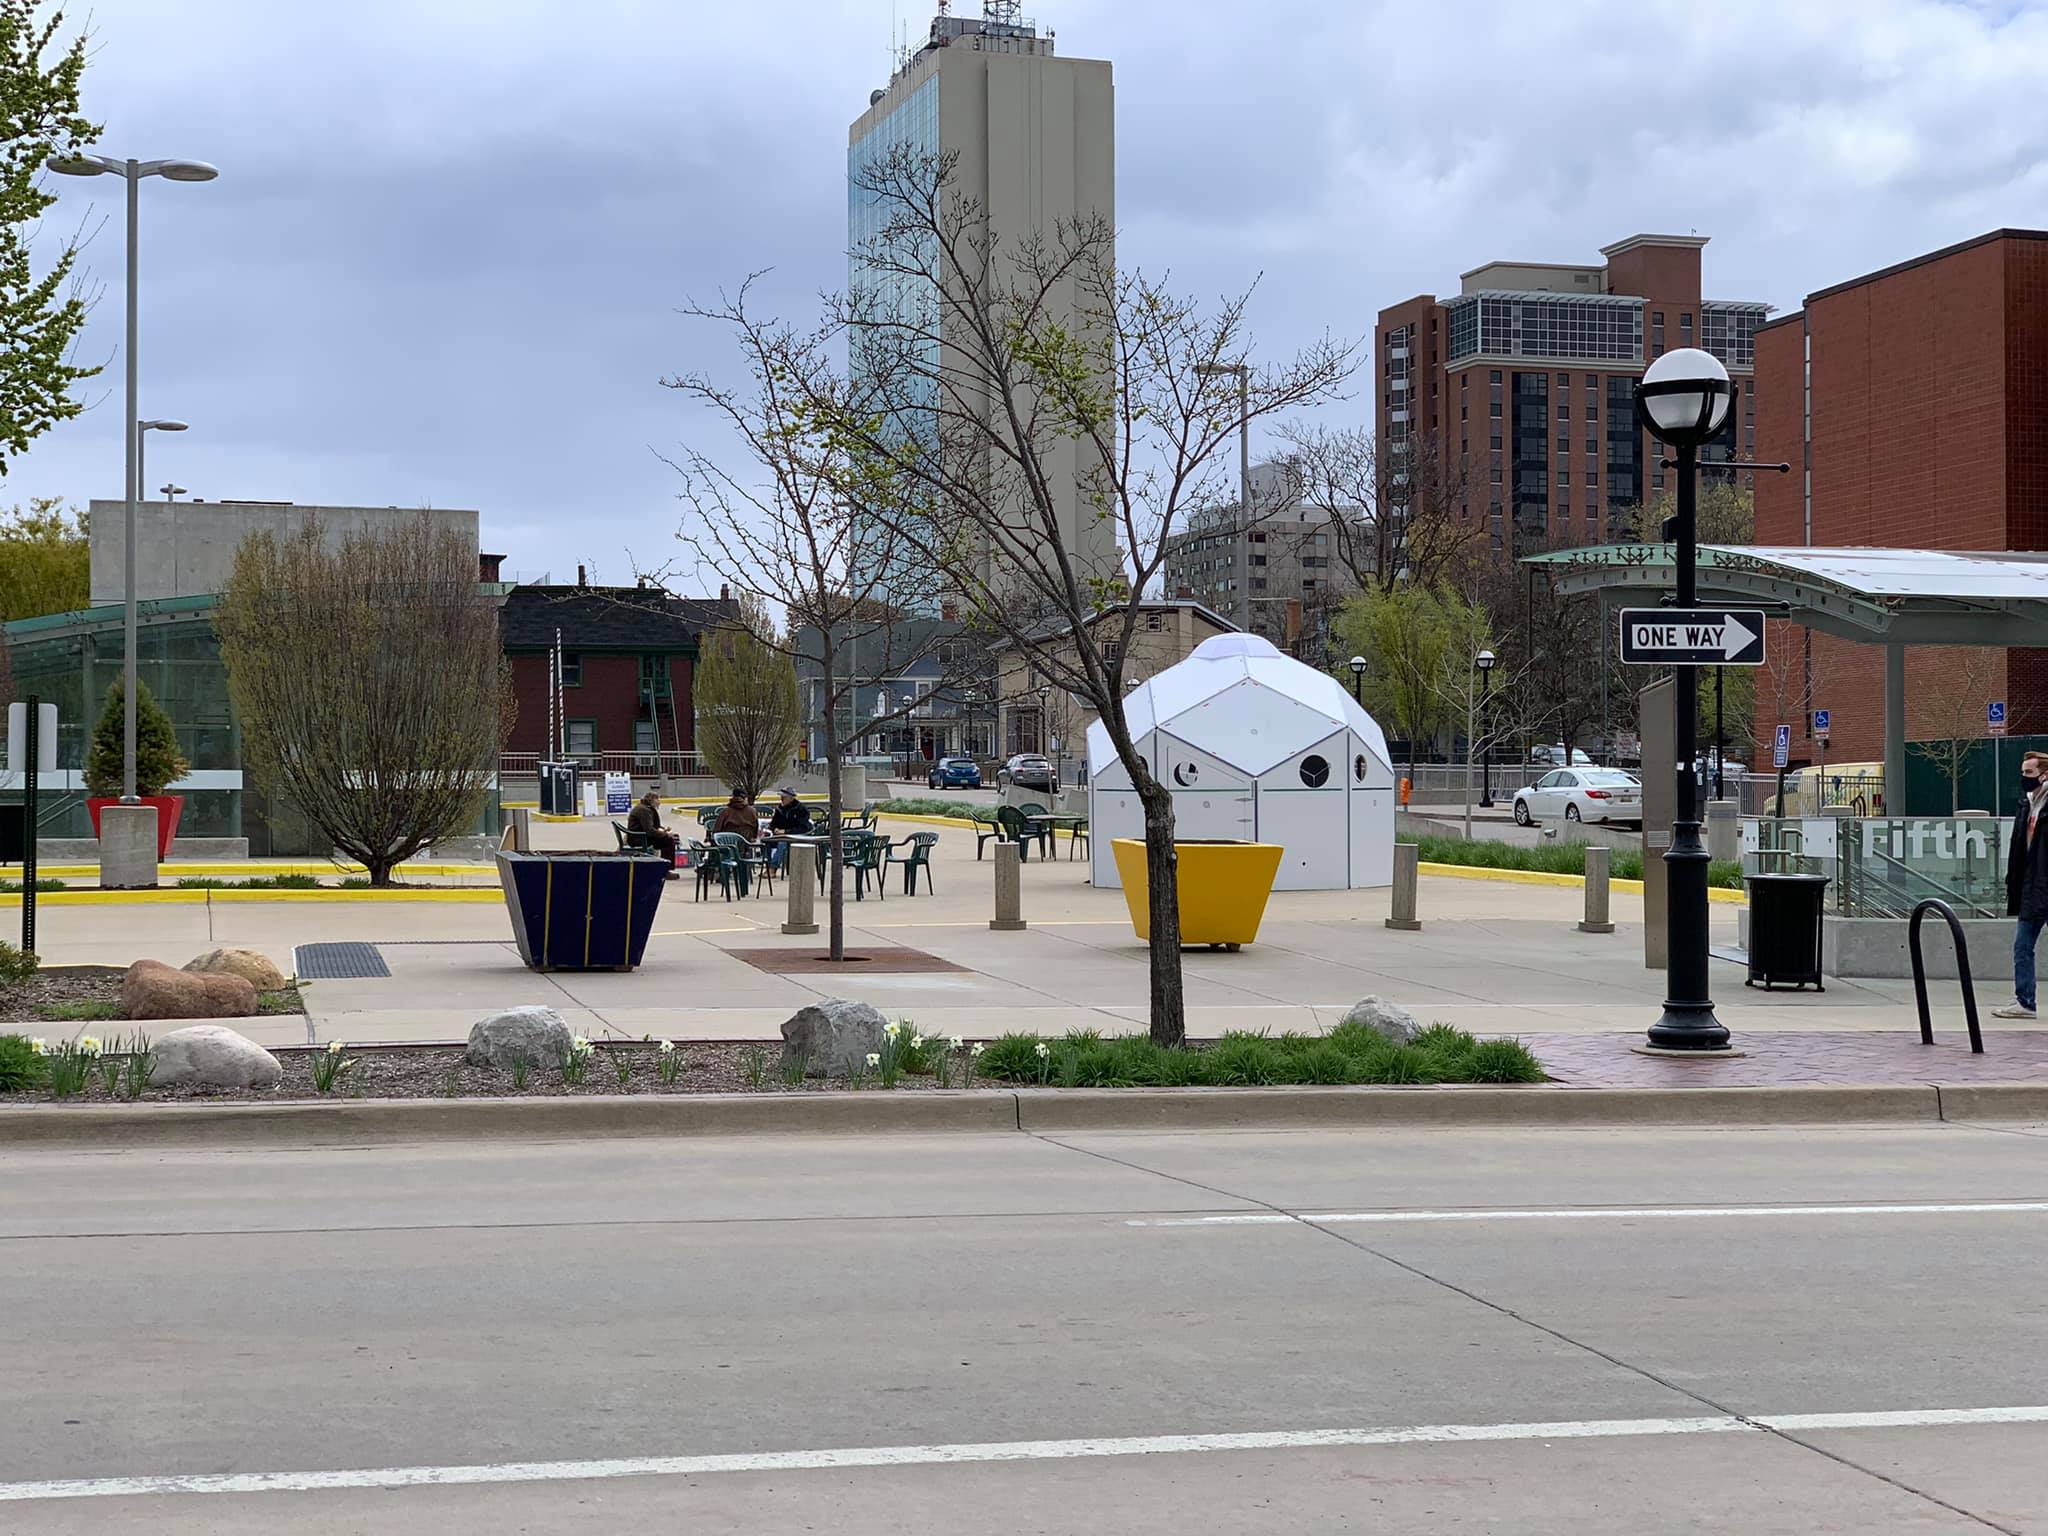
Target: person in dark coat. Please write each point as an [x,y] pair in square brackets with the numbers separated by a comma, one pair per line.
[2026,883]
[791,815]
[738,816]
[646,817]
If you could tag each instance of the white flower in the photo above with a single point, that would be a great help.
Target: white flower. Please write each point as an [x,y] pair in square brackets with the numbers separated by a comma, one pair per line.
[89,1045]
[917,1042]
[874,1060]
[580,1047]
[957,1043]
[334,1047]
[892,1030]
[1041,1050]
[667,1048]
[978,1049]
[39,1045]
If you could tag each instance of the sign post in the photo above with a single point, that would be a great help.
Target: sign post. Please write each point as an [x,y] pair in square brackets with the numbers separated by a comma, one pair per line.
[1781,755]
[1994,723]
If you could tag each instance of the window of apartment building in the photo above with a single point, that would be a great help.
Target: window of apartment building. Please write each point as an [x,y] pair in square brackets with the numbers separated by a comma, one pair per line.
[572,669]
[1564,446]
[1593,446]
[1592,411]
[1494,442]
[1564,381]
[1155,622]
[1464,411]
[1258,584]
[1656,479]
[1564,410]
[1685,330]
[1493,376]
[1656,333]
[1493,409]
[1308,584]
[1258,538]
[1112,650]
[1493,475]
[1563,478]
[1258,559]
[1592,383]
[581,736]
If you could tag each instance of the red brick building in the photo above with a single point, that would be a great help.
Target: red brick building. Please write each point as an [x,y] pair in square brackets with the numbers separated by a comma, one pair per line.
[1513,401]
[1912,404]
[629,656]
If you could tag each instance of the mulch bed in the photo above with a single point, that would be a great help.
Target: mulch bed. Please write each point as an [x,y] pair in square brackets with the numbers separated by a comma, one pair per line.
[438,1071]
[29,1002]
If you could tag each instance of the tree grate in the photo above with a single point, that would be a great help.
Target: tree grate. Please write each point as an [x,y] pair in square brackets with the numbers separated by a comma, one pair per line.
[339,962]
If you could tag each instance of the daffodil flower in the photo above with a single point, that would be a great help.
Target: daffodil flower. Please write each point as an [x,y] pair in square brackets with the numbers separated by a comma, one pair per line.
[334,1047]
[957,1043]
[89,1045]
[978,1049]
[874,1059]
[892,1030]
[917,1042]
[1042,1050]
[40,1046]
[667,1048]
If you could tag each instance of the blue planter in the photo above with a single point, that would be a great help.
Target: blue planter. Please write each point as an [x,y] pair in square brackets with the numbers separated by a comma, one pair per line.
[581,911]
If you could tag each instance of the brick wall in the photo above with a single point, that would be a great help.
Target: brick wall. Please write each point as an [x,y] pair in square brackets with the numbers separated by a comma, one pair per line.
[609,694]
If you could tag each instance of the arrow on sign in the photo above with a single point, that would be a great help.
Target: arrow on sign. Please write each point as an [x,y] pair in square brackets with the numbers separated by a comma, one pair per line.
[1735,638]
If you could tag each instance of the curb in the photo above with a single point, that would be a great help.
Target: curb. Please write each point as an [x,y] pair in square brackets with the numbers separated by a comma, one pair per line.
[1008,1111]
[1555,877]
[171,895]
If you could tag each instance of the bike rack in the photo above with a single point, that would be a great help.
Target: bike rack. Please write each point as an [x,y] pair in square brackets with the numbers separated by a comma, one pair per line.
[1955,929]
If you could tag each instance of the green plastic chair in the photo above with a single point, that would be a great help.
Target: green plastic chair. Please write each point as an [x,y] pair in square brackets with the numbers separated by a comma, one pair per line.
[866,854]
[916,855]
[1041,830]
[708,860]
[1016,829]
[741,857]
[985,827]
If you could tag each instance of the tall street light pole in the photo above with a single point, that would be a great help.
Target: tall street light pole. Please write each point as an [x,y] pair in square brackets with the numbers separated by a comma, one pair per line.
[1683,400]
[1358,680]
[1484,662]
[132,171]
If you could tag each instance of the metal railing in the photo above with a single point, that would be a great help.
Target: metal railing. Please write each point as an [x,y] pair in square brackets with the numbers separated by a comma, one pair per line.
[644,765]
[1955,929]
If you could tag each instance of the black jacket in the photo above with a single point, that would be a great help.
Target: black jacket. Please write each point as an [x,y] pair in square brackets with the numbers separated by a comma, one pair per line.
[791,818]
[2026,870]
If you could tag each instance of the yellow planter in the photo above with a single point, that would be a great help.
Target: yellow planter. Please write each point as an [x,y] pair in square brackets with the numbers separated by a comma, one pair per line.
[1223,888]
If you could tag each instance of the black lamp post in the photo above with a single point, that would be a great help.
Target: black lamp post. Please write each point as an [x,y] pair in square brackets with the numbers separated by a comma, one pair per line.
[1484,662]
[1358,680]
[1683,400]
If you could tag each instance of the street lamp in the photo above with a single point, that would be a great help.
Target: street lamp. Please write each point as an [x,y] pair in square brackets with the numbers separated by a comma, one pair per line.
[1484,662]
[132,171]
[141,478]
[1358,680]
[1683,399]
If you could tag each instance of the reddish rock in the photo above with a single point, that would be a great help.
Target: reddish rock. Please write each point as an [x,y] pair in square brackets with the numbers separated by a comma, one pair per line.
[153,990]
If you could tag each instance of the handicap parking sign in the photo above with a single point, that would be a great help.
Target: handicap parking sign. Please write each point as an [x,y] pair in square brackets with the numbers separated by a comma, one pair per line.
[1820,723]
[1994,716]
[1781,748]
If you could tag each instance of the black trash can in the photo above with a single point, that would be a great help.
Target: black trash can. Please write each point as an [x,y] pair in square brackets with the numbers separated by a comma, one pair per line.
[1784,930]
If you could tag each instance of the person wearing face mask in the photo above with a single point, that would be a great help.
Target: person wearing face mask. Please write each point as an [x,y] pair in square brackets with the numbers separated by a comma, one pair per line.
[2026,883]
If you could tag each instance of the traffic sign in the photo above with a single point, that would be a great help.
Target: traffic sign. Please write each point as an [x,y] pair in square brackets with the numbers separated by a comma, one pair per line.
[1781,747]
[1994,716]
[1692,637]
[1822,719]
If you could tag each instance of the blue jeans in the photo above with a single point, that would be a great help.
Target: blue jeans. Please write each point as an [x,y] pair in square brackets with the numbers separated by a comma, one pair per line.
[2024,938]
[778,854]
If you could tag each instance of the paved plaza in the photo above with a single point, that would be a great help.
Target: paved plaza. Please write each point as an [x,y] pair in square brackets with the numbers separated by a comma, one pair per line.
[1494,957]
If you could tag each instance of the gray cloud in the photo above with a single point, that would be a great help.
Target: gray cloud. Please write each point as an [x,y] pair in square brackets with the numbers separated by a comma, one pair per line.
[444,256]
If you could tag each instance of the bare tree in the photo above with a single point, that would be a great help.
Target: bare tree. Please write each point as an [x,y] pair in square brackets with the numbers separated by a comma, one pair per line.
[1956,711]
[1394,513]
[801,528]
[744,690]
[370,683]
[994,370]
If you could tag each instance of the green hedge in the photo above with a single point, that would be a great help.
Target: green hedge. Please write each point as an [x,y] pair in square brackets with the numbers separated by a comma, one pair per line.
[1554,858]
[925,805]
[1351,1053]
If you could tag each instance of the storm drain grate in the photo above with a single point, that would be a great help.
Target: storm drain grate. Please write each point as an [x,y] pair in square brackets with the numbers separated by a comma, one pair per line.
[339,962]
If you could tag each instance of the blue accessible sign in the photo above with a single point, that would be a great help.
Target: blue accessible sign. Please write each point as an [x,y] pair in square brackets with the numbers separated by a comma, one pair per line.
[1781,747]
[1994,717]
[1822,718]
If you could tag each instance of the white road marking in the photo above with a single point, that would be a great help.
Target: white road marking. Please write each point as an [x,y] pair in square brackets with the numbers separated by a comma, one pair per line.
[1011,1450]
[1597,1213]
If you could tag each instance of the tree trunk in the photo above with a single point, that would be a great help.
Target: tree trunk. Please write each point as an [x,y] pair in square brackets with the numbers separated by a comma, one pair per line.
[1162,895]
[832,853]
[379,871]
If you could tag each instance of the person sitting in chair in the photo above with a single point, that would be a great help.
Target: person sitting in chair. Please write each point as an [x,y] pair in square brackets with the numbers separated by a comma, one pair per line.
[740,817]
[791,816]
[645,818]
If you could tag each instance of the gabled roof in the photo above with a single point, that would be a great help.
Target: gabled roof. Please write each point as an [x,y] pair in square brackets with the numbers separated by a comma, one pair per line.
[608,618]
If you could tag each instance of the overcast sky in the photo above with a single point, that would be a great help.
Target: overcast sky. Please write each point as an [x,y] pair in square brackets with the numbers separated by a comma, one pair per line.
[443,256]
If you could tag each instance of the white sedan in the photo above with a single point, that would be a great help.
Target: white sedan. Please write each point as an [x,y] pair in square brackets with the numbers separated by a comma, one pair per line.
[1581,794]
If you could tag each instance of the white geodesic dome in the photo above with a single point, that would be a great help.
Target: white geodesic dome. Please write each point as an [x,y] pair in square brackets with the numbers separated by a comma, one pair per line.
[1254,745]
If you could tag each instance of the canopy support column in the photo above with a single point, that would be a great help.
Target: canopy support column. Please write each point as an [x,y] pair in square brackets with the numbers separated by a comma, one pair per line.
[1894,731]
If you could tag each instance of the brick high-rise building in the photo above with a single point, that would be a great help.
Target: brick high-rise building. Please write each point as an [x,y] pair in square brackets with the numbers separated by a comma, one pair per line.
[1912,404]
[1512,402]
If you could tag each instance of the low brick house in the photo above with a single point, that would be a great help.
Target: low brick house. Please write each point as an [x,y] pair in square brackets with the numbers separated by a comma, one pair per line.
[629,657]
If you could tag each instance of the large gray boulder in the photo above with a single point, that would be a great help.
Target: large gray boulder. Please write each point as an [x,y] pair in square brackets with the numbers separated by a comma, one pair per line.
[829,1035]
[1393,1021]
[534,1034]
[211,1056]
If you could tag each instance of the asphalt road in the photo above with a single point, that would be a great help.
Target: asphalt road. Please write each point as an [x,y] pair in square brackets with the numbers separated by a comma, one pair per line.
[1751,1331]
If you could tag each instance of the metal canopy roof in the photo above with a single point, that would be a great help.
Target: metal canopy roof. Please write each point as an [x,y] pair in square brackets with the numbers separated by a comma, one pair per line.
[1893,596]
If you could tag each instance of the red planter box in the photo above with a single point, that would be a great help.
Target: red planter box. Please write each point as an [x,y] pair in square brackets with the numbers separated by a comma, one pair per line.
[168,809]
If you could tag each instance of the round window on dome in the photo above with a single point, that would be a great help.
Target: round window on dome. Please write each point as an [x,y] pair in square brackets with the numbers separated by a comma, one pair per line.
[1315,771]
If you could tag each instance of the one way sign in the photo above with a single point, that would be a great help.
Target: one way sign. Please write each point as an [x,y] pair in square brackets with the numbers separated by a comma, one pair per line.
[1680,637]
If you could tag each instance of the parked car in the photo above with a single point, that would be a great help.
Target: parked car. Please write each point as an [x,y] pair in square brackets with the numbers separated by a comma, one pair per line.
[954,773]
[1581,794]
[1027,770]
[1556,755]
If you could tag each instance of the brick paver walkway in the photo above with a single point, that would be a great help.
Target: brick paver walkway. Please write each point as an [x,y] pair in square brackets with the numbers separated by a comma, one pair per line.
[1606,1061]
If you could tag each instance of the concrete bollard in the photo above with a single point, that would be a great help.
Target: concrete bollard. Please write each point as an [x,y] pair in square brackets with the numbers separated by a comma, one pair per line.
[1724,831]
[1009,916]
[801,877]
[127,847]
[519,823]
[1407,872]
[1597,918]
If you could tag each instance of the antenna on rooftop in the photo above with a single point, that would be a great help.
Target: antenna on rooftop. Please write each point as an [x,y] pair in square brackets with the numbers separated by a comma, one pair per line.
[1003,12]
